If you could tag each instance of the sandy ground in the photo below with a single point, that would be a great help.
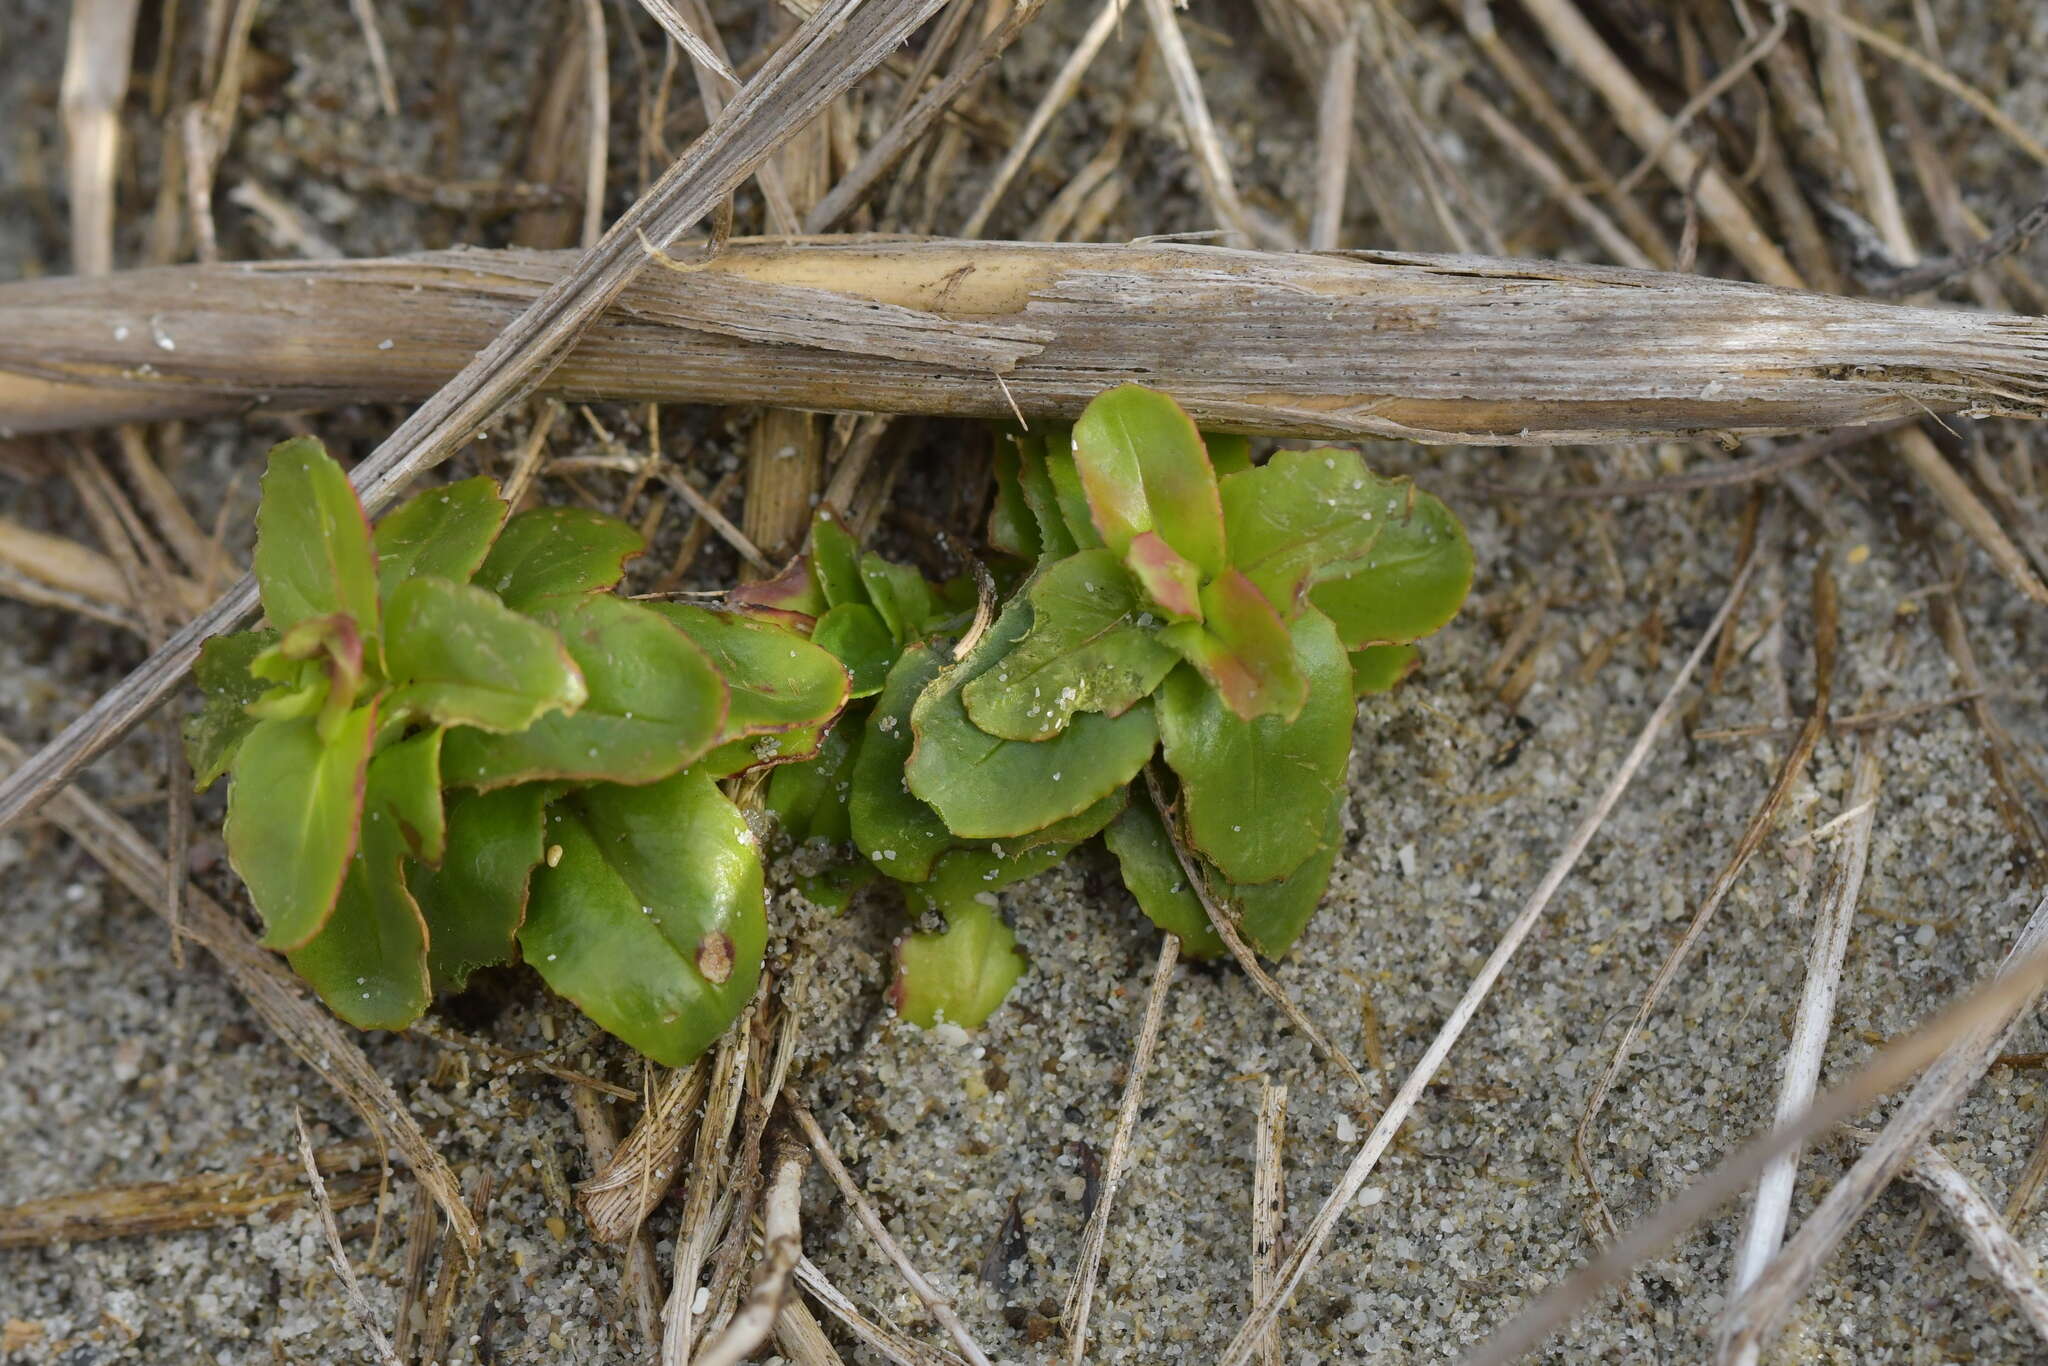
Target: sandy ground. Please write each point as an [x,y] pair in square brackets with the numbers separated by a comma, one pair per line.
[117,1066]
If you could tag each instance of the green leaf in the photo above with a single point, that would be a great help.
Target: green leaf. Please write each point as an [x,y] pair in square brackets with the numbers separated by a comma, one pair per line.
[773,750]
[1272,915]
[963,876]
[293,810]
[1228,453]
[1034,481]
[1012,528]
[1309,516]
[860,640]
[404,795]
[1243,649]
[1301,514]
[835,559]
[896,832]
[834,886]
[655,705]
[215,732]
[1377,668]
[1257,793]
[982,867]
[778,680]
[369,962]
[958,976]
[1066,832]
[1152,873]
[319,663]
[1090,648]
[1069,495]
[313,556]
[1172,583]
[986,787]
[1144,468]
[794,592]
[458,656]
[546,552]
[475,901]
[900,594]
[1411,583]
[445,532]
[651,919]
[810,798]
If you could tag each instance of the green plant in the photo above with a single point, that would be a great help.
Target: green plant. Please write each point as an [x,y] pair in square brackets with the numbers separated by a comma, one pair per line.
[1224,624]
[453,743]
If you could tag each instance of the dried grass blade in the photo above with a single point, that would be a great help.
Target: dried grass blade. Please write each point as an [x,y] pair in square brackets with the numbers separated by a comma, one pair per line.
[1810,1025]
[1956,1032]
[1790,769]
[935,1304]
[1763,1308]
[1082,1296]
[337,1256]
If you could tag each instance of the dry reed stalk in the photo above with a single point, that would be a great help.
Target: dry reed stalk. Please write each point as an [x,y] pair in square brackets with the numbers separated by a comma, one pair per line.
[457,1269]
[1269,1201]
[1553,179]
[207,1200]
[707,1200]
[40,567]
[1057,95]
[800,1337]
[1580,48]
[1848,105]
[1362,343]
[412,1287]
[1477,16]
[1828,12]
[903,133]
[174,521]
[597,121]
[700,48]
[1334,137]
[887,1342]
[781,1249]
[1813,1022]
[380,58]
[96,59]
[1949,488]
[1219,186]
[642,1272]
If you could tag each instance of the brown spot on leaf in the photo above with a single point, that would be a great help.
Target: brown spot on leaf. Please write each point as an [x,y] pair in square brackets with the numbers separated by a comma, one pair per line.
[714,957]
